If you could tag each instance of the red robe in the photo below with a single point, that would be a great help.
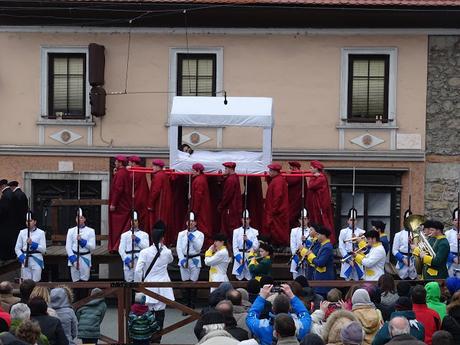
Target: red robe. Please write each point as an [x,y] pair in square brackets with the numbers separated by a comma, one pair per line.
[319,203]
[160,204]
[120,197]
[255,202]
[295,198]
[276,218]
[141,197]
[201,207]
[179,184]
[230,206]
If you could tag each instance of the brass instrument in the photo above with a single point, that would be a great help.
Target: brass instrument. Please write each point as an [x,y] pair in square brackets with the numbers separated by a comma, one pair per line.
[356,239]
[355,252]
[414,224]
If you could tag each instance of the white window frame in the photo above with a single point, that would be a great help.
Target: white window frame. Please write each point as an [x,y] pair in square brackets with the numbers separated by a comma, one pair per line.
[43,116]
[392,81]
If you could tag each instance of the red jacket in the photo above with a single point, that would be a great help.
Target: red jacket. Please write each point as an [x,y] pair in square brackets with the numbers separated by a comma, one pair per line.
[230,207]
[276,224]
[160,203]
[201,206]
[295,198]
[141,196]
[429,318]
[5,316]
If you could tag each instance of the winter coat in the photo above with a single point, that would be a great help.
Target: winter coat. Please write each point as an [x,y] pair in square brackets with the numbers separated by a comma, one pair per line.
[429,318]
[42,339]
[451,322]
[287,341]
[8,338]
[405,339]
[433,299]
[236,332]
[388,298]
[239,313]
[7,300]
[60,303]
[52,328]
[334,324]
[90,317]
[141,322]
[371,319]
[417,329]
[219,337]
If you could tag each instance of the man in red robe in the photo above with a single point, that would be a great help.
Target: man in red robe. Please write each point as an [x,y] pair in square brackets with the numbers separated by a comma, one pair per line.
[160,200]
[295,193]
[201,203]
[141,193]
[319,201]
[230,207]
[276,218]
[120,201]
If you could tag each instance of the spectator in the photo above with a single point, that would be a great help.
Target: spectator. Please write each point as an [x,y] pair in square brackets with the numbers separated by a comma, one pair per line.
[214,332]
[6,296]
[404,289]
[312,339]
[20,312]
[311,299]
[49,325]
[43,292]
[403,308]
[443,338]
[352,334]
[399,331]
[433,299]
[90,317]
[5,321]
[302,280]
[225,307]
[285,330]
[319,316]
[387,286]
[375,294]
[349,295]
[451,322]
[334,324]
[262,329]
[25,289]
[244,297]
[453,284]
[239,311]
[141,322]
[428,317]
[29,331]
[61,304]
[253,289]
[366,313]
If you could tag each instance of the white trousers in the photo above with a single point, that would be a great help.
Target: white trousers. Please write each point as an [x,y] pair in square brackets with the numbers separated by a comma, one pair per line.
[31,272]
[244,275]
[300,272]
[80,274]
[192,273]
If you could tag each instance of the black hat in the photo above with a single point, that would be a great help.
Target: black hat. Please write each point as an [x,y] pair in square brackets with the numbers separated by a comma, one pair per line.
[323,231]
[212,317]
[13,183]
[219,237]
[378,224]
[455,214]
[158,231]
[352,213]
[3,182]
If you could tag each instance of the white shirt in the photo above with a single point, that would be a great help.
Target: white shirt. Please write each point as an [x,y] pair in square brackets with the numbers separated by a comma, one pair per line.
[194,246]
[296,238]
[251,235]
[86,233]
[451,236]
[126,243]
[400,243]
[219,263]
[346,234]
[374,262]
[37,236]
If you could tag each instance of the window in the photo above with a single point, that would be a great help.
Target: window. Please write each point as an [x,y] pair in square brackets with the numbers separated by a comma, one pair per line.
[368,79]
[66,86]
[196,74]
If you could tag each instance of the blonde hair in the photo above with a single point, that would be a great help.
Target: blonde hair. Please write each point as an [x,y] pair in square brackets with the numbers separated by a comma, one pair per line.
[41,291]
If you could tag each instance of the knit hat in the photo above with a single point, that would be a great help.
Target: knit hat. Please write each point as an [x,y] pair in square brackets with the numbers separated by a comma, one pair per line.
[312,339]
[212,317]
[453,284]
[360,298]
[352,334]
[403,303]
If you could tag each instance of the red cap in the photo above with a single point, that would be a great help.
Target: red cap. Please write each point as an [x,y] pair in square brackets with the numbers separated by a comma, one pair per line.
[198,167]
[121,158]
[317,165]
[274,166]
[158,162]
[229,165]
[134,159]
[294,164]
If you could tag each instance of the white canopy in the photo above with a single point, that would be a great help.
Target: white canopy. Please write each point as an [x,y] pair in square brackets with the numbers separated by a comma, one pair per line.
[212,112]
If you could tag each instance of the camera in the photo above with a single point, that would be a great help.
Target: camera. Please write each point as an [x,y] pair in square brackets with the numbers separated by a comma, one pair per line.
[276,288]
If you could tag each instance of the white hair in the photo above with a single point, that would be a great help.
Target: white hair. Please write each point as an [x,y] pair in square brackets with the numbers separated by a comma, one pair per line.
[398,326]
[213,327]
[20,311]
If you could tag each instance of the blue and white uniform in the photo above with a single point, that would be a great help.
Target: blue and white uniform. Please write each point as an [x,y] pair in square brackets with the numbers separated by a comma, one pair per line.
[346,248]
[87,244]
[36,250]
[126,251]
[194,240]
[241,271]
[400,252]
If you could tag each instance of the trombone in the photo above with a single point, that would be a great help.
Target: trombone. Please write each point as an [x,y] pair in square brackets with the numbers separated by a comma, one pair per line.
[356,239]
[346,258]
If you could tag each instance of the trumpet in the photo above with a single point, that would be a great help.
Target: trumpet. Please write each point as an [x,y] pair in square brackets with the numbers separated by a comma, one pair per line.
[355,239]
[345,259]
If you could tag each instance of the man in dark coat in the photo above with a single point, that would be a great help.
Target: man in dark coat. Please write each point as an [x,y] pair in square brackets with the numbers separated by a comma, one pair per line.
[230,207]
[7,222]
[20,205]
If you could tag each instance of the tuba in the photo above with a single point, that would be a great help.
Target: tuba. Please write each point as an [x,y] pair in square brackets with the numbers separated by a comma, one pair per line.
[414,224]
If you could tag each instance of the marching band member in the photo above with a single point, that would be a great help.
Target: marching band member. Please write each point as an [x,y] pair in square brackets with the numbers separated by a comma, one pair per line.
[240,266]
[188,247]
[132,237]
[452,236]
[30,247]
[79,244]
[298,241]
[217,258]
[374,260]
[261,265]
[350,270]
[323,260]
[434,267]
[379,226]
[405,265]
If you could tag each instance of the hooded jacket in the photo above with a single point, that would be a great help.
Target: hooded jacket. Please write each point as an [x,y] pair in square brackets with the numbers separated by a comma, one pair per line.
[433,299]
[218,337]
[371,319]
[417,329]
[451,322]
[60,303]
[90,317]
[141,322]
[334,324]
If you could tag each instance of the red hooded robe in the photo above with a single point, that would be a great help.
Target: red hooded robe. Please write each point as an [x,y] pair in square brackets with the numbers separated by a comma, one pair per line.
[120,197]
[141,197]
[201,207]
[160,204]
[276,218]
[295,198]
[230,207]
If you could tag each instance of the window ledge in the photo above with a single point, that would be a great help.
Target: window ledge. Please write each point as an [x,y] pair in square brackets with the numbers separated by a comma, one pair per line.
[60,122]
[358,125]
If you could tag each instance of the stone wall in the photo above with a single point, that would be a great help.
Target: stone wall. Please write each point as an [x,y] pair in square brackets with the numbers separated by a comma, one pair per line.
[443,127]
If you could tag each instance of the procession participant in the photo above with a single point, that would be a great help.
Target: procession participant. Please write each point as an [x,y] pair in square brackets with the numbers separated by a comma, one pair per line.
[201,202]
[30,247]
[350,270]
[152,266]
[141,192]
[217,258]
[452,236]
[19,207]
[374,260]
[188,247]
[261,265]
[277,207]
[160,199]
[120,201]
[298,238]
[80,242]
[319,201]
[434,267]
[295,193]
[244,241]
[255,200]
[323,260]
[7,222]
[405,265]
[230,206]
[131,243]
[379,226]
